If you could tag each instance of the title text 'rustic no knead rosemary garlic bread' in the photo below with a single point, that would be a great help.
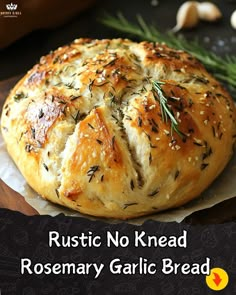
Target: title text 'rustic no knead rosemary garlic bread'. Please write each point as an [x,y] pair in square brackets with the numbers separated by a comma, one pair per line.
[119,129]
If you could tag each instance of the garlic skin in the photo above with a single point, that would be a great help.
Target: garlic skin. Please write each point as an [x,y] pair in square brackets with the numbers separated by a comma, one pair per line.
[187,16]
[233,20]
[208,11]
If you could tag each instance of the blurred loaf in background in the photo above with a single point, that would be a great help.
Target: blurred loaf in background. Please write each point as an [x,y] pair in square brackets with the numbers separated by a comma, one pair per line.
[37,14]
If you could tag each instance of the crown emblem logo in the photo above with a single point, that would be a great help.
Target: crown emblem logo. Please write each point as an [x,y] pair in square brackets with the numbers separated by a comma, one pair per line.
[11,6]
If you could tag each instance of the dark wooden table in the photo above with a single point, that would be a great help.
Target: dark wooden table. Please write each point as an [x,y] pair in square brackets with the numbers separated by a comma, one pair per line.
[22,55]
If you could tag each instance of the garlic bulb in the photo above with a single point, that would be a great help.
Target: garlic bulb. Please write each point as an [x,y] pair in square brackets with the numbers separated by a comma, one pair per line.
[208,11]
[233,20]
[187,16]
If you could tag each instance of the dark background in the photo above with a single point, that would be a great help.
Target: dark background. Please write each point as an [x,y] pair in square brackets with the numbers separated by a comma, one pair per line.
[22,55]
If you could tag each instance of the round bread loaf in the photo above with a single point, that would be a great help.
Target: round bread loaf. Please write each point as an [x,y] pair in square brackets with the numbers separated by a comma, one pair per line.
[119,129]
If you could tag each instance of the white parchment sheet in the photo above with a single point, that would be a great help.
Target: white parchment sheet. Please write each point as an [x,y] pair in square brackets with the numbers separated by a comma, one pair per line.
[222,189]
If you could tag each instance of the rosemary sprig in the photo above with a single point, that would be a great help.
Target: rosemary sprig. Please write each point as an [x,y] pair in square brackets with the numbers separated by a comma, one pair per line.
[223,68]
[166,112]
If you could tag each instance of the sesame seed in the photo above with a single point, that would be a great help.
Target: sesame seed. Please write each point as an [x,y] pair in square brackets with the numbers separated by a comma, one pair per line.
[202,113]
[197,140]
[157,138]
[152,107]
[196,158]
[42,60]
[189,159]
[166,132]
[205,122]
[175,98]
[177,147]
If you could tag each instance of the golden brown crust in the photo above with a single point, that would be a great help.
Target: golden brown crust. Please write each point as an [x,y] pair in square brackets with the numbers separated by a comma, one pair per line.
[86,131]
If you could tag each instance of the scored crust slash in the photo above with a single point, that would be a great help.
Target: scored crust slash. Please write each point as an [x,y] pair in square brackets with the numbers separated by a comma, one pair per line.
[119,129]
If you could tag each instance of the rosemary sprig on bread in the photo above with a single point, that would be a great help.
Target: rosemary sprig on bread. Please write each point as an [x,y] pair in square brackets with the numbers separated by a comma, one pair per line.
[166,112]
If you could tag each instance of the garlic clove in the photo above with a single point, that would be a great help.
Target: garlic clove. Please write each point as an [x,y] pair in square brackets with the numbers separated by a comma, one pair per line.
[187,16]
[208,11]
[233,20]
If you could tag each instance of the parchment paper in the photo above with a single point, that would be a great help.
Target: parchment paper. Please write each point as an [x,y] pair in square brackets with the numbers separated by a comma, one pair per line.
[222,189]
